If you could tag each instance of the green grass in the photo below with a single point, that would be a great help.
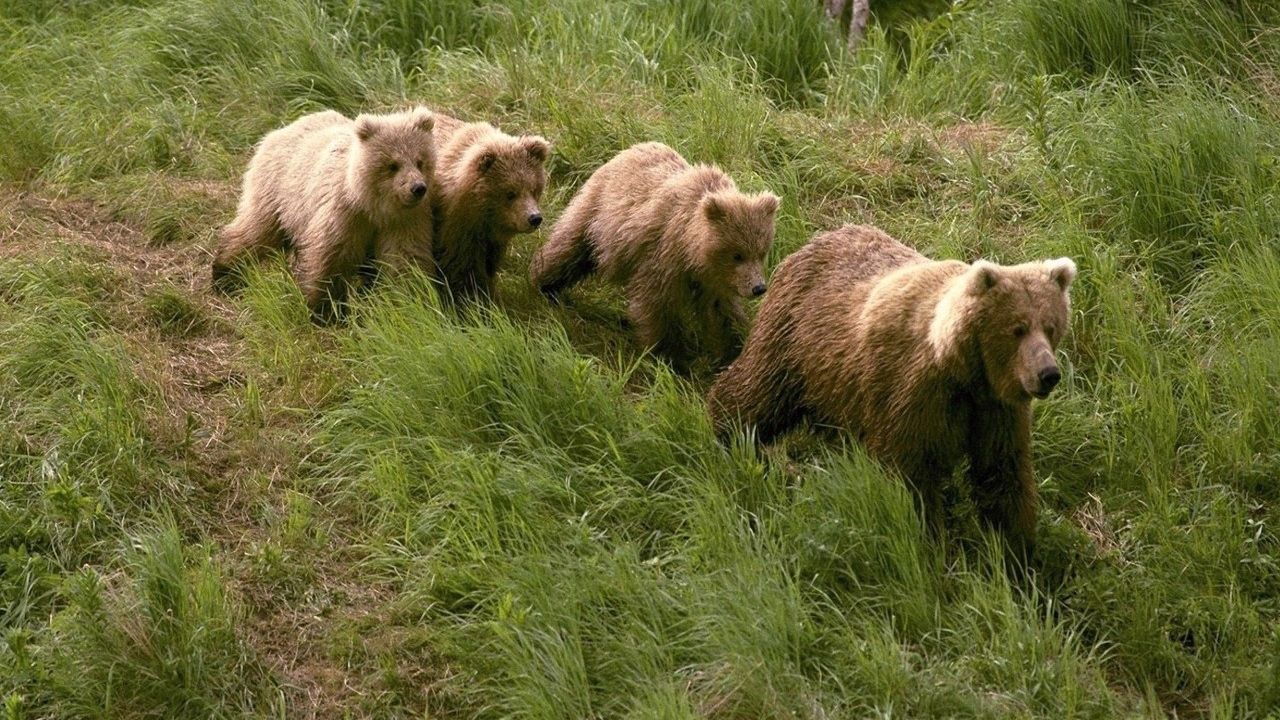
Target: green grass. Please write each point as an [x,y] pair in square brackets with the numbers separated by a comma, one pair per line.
[162,640]
[213,508]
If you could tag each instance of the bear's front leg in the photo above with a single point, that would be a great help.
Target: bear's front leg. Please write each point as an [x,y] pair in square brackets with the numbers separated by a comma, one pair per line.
[567,257]
[329,254]
[657,329]
[465,279]
[482,278]
[397,250]
[1000,471]
[408,245]
[484,282]
[756,393]
[724,327]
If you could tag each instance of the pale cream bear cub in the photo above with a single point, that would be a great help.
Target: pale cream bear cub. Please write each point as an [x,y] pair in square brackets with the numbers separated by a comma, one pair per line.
[343,194]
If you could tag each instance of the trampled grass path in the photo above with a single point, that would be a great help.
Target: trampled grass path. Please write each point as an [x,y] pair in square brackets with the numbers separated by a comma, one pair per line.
[187,345]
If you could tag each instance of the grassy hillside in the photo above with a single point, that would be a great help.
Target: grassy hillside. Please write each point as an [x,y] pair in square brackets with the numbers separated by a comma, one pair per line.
[211,508]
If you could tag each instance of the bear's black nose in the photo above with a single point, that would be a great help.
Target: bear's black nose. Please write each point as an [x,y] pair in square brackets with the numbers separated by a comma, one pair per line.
[758,289]
[535,220]
[1049,378]
[418,189]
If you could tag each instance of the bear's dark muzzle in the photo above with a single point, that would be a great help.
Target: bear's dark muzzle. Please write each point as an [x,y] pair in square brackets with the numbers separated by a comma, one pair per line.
[1049,379]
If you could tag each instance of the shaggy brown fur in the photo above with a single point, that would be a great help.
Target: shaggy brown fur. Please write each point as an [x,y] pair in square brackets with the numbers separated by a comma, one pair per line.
[682,239]
[343,193]
[925,362]
[487,191]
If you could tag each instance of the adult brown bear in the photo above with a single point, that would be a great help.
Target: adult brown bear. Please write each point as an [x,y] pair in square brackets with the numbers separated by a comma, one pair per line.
[925,362]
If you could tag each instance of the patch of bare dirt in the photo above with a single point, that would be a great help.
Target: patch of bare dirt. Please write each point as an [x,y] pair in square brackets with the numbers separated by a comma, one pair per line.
[985,137]
[87,225]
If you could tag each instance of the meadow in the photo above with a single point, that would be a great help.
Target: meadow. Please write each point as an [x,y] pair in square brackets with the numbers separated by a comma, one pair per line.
[212,508]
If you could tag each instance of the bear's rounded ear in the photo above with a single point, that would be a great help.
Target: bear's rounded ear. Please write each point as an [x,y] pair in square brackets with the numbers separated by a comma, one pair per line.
[1062,271]
[537,147]
[423,119]
[366,127]
[713,208]
[485,160]
[768,202]
[982,277]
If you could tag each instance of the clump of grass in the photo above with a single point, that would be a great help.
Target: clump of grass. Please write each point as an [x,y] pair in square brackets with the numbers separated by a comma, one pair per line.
[1233,311]
[27,281]
[408,27]
[174,313]
[1171,180]
[283,564]
[27,586]
[79,411]
[163,640]
[1180,632]
[788,41]
[1087,39]
[170,211]
[298,369]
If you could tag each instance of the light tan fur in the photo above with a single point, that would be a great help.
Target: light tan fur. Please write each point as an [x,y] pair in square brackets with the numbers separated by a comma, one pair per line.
[683,240]
[342,193]
[488,188]
[925,362]
[948,318]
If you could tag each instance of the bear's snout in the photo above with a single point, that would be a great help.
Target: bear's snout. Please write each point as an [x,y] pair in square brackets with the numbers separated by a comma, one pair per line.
[758,289]
[535,220]
[419,189]
[1048,378]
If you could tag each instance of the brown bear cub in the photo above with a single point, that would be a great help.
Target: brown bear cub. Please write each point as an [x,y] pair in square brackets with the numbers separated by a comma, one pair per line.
[925,362]
[487,191]
[682,239]
[342,193]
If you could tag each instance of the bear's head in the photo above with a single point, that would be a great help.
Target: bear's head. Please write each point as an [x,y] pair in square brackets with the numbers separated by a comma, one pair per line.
[739,234]
[1016,315]
[393,161]
[508,175]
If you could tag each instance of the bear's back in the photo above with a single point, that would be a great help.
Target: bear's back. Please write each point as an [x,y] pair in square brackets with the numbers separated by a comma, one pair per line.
[305,136]
[835,270]
[650,159]
[629,207]
[857,254]
[299,166]
[635,178]
[826,287]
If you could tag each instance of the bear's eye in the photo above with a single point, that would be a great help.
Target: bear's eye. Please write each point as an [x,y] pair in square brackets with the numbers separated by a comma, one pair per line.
[419,164]
[1019,330]
[511,194]
[393,168]
[737,257]
[1051,331]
